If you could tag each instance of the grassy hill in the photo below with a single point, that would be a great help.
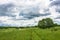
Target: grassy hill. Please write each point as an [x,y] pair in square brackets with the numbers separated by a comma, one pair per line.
[30,34]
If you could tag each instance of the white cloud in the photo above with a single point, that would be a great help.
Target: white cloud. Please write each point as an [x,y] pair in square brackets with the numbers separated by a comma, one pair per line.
[27,6]
[4,1]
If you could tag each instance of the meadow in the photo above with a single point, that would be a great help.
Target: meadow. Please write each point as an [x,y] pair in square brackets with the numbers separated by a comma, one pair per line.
[30,34]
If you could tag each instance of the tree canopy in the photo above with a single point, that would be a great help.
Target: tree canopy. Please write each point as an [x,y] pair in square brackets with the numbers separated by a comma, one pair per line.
[46,23]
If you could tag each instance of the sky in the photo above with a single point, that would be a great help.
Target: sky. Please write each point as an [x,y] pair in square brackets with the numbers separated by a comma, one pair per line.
[28,12]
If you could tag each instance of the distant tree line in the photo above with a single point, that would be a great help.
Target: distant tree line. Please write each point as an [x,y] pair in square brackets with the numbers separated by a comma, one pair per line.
[44,23]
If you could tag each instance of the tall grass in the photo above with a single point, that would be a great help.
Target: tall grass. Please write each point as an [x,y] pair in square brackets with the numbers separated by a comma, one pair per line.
[30,34]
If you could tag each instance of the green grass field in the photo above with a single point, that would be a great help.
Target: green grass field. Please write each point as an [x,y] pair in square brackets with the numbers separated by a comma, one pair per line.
[30,34]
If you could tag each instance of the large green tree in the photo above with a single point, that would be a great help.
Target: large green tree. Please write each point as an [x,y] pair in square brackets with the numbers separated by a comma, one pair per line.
[45,23]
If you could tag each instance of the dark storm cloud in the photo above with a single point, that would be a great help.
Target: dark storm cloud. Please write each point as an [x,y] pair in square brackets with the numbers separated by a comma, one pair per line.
[51,0]
[32,15]
[34,12]
[29,16]
[57,3]
[4,9]
[35,15]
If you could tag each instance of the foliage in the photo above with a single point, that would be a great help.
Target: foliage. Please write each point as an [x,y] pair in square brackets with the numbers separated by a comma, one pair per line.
[55,24]
[46,23]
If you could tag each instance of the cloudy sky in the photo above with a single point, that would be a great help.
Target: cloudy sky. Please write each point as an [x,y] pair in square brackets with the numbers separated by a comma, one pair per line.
[28,12]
